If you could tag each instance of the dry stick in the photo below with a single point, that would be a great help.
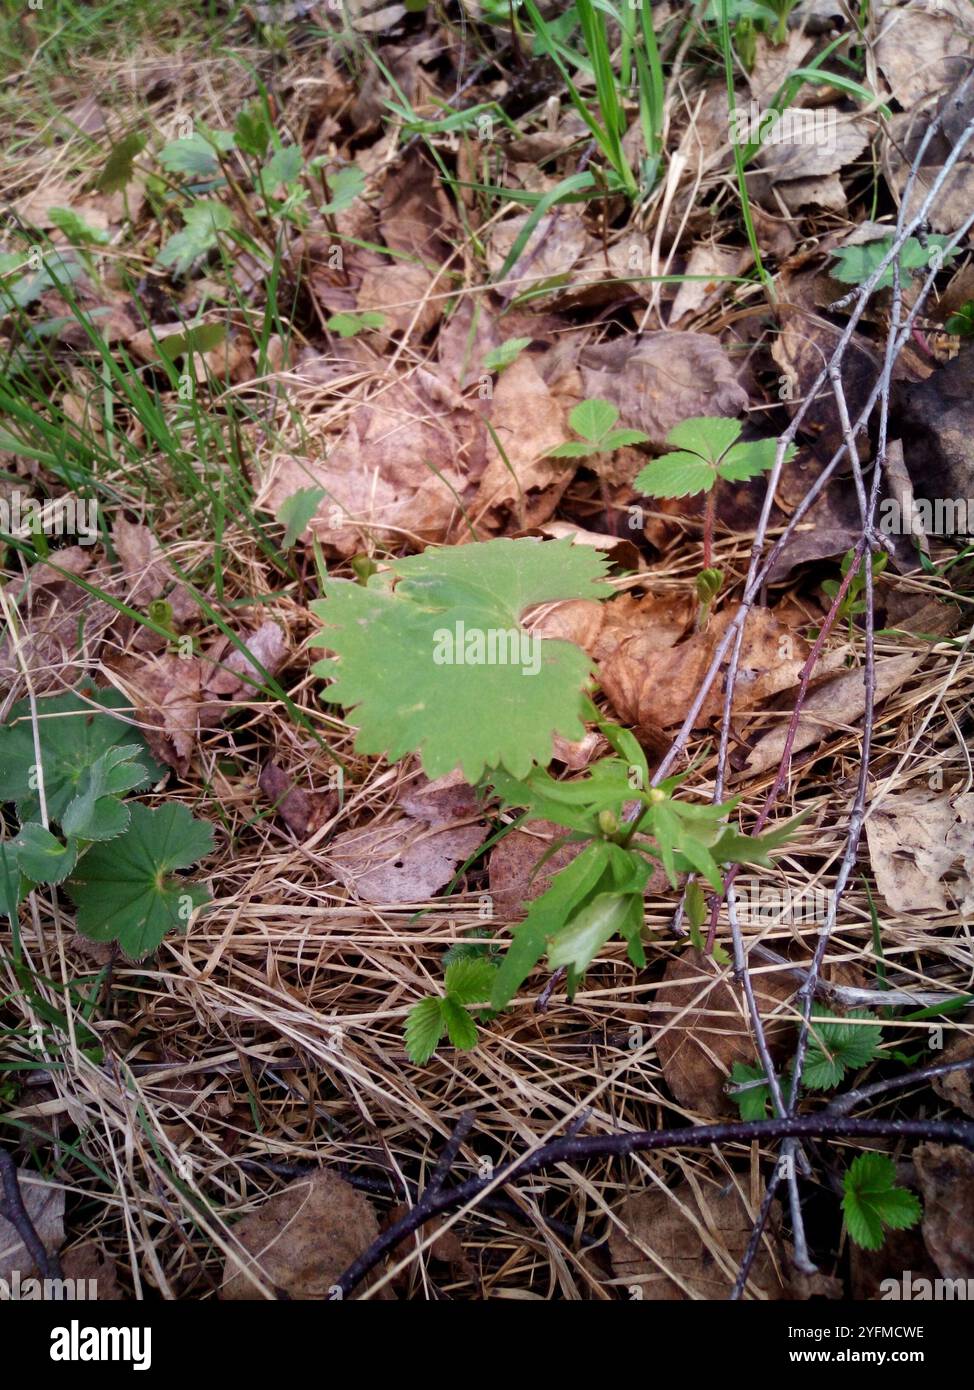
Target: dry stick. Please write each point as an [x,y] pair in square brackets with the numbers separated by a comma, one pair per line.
[574,1150]
[843,1104]
[12,1208]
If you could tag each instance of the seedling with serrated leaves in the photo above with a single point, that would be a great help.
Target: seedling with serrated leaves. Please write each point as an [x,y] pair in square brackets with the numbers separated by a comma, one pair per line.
[707,449]
[873,1204]
[116,860]
[594,422]
[495,720]
[853,603]
[856,264]
[837,1044]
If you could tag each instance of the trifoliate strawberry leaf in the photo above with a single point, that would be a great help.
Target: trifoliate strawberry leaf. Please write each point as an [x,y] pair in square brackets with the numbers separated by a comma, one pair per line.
[872,1201]
[753,1102]
[74,731]
[128,891]
[706,451]
[837,1045]
[42,856]
[460,1027]
[857,263]
[441,666]
[425,1025]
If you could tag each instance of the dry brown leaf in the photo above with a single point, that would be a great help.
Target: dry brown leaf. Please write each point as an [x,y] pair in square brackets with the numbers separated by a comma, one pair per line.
[140,560]
[45,1207]
[554,248]
[659,619]
[957,1087]
[952,205]
[774,63]
[86,1262]
[920,52]
[529,418]
[300,1240]
[837,705]
[697,1237]
[167,695]
[945,1173]
[301,811]
[514,859]
[694,296]
[577,620]
[396,474]
[446,799]
[404,861]
[703,1029]
[659,379]
[922,852]
[54,641]
[236,672]
[936,420]
[822,141]
[404,294]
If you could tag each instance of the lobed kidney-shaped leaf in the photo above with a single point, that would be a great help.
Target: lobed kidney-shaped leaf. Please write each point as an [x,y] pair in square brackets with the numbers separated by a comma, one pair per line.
[42,856]
[440,665]
[128,891]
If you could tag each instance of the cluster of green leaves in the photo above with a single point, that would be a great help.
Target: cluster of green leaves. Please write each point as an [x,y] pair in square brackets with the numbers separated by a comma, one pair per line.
[872,1203]
[468,981]
[745,15]
[600,893]
[594,421]
[854,603]
[117,860]
[201,162]
[837,1044]
[857,263]
[705,450]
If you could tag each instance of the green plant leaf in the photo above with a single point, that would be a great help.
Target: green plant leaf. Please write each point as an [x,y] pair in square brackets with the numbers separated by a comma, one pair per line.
[470,980]
[349,325]
[573,449]
[753,457]
[578,943]
[118,171]
[425,1025]
[203,223]
[128,890]
[75,228]
[857,263]
[710,436]
[41,856]
[196,154]
[13,886]
[837,1045]
[872,1202]
[460,1027]
[344,186]
[204,337]
[284,166]
[592,419]
[252,131]
[296,511]
[507,352]
[429,666]
[74,732]
[676,475]
[755,1102]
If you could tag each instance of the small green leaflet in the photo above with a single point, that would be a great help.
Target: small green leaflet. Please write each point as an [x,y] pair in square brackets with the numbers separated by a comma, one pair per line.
[836,1045]
[75,228]
[196,155]
[284,166]
[349,325]
[13,885]
[41,855]
[117,173]
[344,186]
[252,131]
[754,1102]
[872,1203]
[127,890]
[468,981]
[857,263]
[705,451]
[441,666]
[509,351]
[594,420]
[203,222]
[296,511]
[203,337]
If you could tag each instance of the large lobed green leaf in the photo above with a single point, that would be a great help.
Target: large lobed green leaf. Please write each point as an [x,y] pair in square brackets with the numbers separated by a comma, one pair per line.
[390,643]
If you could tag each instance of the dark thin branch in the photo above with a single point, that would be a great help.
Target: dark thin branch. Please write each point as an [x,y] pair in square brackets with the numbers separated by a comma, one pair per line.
[578,1149]
[12,1208]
